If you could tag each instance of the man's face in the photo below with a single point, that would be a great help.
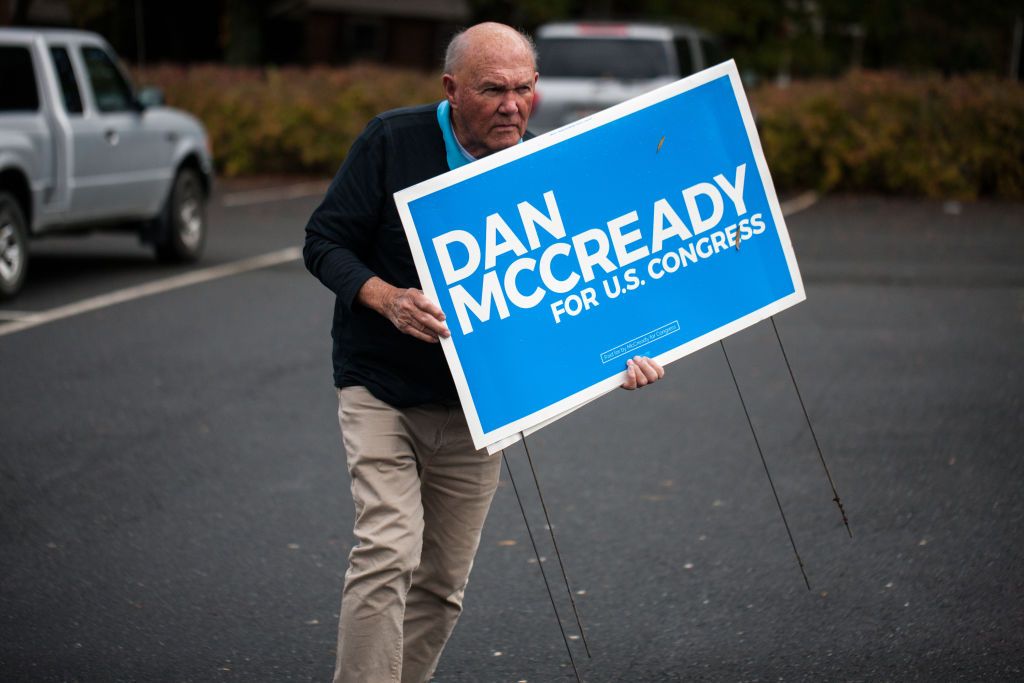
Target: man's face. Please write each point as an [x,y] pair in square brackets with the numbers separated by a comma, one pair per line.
[491,95]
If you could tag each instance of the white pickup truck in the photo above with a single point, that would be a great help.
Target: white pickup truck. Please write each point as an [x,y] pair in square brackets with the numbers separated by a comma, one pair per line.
[80,150]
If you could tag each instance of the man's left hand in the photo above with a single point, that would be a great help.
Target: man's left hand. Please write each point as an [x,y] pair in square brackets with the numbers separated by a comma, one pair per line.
[641,371]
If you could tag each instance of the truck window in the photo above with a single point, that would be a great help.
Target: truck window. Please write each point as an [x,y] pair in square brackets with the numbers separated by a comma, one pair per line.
[684,56]
[619,58]
[66,76]
[111,91]
[19,91]
[712,52]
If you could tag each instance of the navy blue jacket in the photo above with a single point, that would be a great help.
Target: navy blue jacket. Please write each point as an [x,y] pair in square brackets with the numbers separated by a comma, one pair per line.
[355,234]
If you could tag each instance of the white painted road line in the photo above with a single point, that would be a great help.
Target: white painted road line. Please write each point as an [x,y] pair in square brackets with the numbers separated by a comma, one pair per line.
[275,194]
[17,315]
[799,203]
[150,288]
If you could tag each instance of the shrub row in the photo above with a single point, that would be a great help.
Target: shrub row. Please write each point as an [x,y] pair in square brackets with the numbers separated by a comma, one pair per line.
[882,132]
[867,132]
[287,120]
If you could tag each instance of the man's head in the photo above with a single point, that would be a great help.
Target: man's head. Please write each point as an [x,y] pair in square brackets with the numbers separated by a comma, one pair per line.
[490,73]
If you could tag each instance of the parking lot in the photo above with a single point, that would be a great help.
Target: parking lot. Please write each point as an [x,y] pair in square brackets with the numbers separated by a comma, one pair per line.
[174,503]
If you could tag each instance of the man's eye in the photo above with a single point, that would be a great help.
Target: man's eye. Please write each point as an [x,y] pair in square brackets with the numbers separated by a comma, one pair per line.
[524,90]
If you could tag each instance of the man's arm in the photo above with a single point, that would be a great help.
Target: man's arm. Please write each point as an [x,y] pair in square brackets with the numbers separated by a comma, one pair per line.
[340,233]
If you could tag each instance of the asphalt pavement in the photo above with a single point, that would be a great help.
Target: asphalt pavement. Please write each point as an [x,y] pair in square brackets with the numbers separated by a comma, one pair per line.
[174,504]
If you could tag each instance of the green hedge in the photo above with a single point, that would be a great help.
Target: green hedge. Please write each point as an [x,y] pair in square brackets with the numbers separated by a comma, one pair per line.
[868,132]
[287,120]
[882,132]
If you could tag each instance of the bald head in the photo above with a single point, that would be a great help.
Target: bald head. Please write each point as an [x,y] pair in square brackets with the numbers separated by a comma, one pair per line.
[489,79]
[488,39]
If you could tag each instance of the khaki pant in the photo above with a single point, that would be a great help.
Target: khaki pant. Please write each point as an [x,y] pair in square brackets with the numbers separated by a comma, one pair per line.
[421,493]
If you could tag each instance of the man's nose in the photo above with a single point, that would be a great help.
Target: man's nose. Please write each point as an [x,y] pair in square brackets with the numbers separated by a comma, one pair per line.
[508,105]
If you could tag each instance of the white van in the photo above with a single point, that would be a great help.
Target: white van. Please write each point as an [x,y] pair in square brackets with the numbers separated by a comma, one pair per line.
[587,67]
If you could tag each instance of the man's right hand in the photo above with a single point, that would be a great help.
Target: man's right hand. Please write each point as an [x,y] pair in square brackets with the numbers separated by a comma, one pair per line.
[409,310]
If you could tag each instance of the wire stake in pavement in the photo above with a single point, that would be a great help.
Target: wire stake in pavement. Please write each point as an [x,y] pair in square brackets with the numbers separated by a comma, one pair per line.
[561,565]
[835,494]
[540,564]
[764,462]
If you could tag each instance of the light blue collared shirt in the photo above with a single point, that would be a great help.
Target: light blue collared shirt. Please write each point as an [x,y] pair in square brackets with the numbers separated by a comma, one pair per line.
[456,153]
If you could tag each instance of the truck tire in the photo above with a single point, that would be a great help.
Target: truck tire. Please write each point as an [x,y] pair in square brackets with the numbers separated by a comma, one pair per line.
[13,246]
[182,231]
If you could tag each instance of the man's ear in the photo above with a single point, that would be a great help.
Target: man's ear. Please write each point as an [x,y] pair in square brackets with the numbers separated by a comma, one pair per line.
[448,83]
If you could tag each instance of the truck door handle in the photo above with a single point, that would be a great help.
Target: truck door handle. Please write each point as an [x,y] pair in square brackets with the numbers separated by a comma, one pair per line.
[112,137]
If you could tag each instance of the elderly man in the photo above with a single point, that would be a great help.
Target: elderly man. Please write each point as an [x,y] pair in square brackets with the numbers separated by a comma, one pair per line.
[421,491]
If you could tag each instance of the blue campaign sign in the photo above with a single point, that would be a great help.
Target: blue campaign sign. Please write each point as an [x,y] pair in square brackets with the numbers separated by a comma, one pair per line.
[560,258]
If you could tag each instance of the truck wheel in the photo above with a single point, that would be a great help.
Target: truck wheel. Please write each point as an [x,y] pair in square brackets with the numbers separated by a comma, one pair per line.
[182,232]
[13,246]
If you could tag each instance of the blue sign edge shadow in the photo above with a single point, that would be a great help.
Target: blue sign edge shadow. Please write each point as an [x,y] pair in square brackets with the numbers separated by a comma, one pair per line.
[506,434]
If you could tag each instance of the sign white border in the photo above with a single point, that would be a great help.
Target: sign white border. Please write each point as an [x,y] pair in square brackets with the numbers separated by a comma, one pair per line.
[511,432]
